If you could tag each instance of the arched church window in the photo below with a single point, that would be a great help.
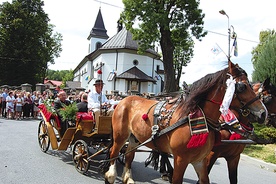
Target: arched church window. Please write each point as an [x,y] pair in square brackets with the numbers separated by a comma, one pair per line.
[98,45]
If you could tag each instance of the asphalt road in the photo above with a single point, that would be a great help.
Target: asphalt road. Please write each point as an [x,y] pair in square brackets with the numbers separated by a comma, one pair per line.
[22,162]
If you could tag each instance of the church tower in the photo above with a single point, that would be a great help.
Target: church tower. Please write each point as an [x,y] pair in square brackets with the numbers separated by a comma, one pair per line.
[98,34]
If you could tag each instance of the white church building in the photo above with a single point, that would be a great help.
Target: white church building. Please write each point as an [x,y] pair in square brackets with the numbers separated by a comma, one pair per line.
[116,62]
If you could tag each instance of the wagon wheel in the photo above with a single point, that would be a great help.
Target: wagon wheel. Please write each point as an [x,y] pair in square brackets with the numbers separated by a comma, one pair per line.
[43,137]
[80,156]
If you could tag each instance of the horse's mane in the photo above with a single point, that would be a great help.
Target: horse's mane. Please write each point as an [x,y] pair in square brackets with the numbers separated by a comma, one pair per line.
[200,88]
[198,91]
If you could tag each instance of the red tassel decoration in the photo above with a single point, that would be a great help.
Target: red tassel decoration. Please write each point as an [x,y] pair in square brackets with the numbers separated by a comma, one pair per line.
[235,136]
[145,117]
[197,140]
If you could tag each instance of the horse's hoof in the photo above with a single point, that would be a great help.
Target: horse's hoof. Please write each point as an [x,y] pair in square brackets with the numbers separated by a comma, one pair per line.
[130,181]
[165,177]
[109,178]
[106,181]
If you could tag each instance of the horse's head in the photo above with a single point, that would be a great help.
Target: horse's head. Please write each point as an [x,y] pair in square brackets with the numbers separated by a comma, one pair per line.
[267,93]
[244,97]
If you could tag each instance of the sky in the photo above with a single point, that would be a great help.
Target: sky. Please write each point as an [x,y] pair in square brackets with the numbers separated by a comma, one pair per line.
[74,19]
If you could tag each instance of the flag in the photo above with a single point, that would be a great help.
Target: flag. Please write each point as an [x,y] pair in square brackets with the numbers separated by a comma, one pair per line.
[235,45]
[216,50]
[87,78]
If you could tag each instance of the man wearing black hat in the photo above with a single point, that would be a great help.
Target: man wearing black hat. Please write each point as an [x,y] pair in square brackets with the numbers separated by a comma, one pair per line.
[96,99]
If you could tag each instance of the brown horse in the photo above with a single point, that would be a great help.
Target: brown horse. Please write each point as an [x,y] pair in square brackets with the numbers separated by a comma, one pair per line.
[267,93]
[231,152]
[207,94]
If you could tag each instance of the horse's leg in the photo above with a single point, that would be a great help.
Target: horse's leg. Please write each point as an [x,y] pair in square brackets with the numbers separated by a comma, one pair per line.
[127,176]
[166,168]
[232,164]
[118,143]
[180,166]
[211,159]
[111,174]
[201,171]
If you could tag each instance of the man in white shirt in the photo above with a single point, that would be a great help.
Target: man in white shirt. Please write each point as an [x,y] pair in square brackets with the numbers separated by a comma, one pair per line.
[98,100]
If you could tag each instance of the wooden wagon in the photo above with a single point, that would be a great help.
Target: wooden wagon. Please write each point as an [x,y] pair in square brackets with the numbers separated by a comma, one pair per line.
[80,135]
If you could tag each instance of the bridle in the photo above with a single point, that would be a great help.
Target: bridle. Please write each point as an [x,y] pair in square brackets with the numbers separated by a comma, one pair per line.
[239,88]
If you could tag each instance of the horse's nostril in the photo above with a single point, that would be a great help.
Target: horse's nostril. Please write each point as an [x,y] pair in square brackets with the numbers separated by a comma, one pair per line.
[263,118]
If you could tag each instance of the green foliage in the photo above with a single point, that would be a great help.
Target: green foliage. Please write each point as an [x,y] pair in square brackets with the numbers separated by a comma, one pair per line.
[60,74]
[264,152]
[169,22]
[69,112]
[264,57]
[268,133]
[69,76]
[27,42]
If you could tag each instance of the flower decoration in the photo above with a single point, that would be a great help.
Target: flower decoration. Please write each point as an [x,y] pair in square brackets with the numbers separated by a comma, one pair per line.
[50,106]
[145,117]
[99,72]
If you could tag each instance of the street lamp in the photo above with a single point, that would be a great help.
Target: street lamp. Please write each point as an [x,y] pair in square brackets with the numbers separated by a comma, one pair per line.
[229,31]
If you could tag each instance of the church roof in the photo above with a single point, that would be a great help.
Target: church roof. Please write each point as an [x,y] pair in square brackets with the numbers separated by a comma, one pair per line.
[98,30]
[124,40]
[135,74]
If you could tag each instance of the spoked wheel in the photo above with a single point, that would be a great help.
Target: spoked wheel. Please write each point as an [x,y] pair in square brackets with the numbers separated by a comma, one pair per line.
[43,136]
[80,156]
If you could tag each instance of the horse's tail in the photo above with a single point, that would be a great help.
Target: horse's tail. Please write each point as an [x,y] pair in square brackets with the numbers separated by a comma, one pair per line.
[153,159]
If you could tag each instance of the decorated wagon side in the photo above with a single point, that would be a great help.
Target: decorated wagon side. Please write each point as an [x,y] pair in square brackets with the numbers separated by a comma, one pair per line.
[81,134]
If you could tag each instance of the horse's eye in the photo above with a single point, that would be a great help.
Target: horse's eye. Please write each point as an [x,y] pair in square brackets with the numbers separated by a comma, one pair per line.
[240,87]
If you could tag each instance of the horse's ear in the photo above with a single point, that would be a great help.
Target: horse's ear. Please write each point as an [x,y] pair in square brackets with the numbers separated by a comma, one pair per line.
[230,66]
[266,82]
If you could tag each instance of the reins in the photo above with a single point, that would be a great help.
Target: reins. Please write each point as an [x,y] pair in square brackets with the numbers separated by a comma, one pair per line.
[158,135]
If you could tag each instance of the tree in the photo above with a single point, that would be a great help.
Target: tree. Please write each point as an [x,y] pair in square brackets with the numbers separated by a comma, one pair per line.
[264,57]
[169,22]
[69,76]
[28,43]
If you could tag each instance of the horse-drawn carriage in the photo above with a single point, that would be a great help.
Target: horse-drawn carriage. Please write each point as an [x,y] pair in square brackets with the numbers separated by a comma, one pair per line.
[80,135]
[135,123]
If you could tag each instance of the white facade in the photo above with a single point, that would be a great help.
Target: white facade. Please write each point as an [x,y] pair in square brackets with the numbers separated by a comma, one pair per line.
[119,62]
[115,58]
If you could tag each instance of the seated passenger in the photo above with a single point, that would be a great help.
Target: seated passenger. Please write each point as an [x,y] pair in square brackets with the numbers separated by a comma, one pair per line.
[60,103]
[98,100]
[82,105]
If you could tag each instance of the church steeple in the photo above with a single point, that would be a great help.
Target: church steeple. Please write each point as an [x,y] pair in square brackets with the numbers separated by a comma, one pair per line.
[98,31]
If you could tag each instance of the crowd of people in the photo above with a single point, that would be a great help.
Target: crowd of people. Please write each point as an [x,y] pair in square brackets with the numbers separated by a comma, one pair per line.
[20,104]
[17,104]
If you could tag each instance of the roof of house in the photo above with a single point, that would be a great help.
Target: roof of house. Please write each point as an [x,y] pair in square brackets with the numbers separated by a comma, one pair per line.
[73,84]
[98,30]
[135,74]
[53,82]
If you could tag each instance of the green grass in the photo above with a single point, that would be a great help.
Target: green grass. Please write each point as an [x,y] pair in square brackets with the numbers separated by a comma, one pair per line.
[263,152]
